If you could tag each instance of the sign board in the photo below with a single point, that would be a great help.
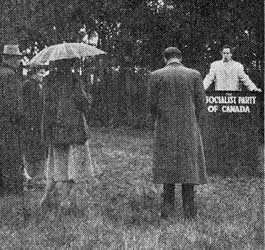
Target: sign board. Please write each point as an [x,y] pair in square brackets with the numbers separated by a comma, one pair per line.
[231,103]
[231,131]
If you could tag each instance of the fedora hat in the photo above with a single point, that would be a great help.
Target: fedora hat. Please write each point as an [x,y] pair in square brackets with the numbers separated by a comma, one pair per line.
[172,51]
[11,50]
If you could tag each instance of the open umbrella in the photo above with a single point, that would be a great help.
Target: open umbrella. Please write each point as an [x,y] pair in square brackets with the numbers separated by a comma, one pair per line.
[64,51]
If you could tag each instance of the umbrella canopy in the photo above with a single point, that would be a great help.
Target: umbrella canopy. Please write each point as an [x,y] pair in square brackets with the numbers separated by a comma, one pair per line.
[64,51]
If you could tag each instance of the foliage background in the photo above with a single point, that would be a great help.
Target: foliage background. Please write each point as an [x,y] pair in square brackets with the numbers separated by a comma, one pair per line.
[135,32]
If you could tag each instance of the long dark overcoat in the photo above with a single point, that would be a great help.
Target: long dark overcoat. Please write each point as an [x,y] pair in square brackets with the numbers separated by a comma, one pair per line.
[32,110]
[177,99]
[10,128]
[65,102]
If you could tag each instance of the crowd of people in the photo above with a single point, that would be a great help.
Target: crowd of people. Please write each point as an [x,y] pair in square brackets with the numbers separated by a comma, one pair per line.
[43,126]
[44,130]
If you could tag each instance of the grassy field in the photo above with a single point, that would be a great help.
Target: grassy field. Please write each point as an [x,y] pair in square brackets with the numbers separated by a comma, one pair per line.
[120,209]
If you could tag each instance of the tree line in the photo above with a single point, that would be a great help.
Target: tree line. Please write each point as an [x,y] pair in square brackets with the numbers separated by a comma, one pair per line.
[135,32]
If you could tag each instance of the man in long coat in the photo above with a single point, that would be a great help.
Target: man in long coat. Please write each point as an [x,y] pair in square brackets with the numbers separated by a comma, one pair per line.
[33,149]
[177,99]
[10,120]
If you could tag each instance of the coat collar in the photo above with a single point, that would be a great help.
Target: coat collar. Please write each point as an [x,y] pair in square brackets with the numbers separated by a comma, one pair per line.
[173,61]
[227,63]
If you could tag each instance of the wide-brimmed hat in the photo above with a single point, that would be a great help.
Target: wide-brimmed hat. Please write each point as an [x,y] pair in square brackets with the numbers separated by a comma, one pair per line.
[12,50]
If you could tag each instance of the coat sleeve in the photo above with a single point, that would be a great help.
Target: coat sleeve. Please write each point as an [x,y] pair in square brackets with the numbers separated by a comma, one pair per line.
[199,96]
[154,95]
[50,104]
[244,78]
[27,97]
[13,98]
[210,77]
[81,99]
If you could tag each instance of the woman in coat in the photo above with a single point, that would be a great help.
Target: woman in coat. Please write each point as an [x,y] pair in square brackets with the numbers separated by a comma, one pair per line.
[65,131]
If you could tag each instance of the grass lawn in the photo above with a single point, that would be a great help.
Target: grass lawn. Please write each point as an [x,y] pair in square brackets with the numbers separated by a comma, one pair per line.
[120,210]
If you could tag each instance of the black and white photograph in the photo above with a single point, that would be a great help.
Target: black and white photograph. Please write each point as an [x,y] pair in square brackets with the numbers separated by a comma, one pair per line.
[131,125]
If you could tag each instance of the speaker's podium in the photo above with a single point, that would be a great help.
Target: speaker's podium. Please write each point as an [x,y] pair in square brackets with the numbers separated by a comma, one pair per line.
[232,132]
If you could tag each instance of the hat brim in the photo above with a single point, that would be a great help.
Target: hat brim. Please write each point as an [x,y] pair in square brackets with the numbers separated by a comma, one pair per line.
[11,54]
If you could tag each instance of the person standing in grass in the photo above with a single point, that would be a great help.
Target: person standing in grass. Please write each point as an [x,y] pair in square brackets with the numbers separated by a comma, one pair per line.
[33,150]
[65,131]
[11,120]
[177,99]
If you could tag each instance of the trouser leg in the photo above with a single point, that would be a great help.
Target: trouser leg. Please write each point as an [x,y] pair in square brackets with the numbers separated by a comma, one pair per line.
[168,200]
[69,194]
[188,194]
[13,176]
[67,188]
[49,192]
[1,169]
[1,178]
[259,223]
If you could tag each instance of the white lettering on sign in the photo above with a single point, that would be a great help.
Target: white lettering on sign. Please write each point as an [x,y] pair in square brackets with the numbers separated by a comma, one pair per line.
[221,99]
[235,109]
[230,104]
[247,99]
[212,108]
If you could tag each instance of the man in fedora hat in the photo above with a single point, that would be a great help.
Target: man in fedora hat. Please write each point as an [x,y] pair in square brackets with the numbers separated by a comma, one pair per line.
[10,120]
[177,101]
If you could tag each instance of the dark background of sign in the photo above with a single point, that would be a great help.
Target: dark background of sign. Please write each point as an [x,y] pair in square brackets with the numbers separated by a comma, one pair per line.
[232,140]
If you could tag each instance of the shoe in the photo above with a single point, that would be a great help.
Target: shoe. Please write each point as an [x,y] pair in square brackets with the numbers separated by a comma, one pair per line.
[167,211]
[168,207]
[189,208]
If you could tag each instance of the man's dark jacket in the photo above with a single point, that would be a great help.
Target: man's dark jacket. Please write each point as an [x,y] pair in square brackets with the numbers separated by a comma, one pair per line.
[65,103]
[10,126]
[32,110]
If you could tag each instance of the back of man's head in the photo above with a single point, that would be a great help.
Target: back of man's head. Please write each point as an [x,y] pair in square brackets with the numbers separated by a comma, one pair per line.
[172,52]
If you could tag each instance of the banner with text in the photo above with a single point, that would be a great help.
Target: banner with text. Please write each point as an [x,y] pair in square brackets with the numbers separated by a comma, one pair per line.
[231,102]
